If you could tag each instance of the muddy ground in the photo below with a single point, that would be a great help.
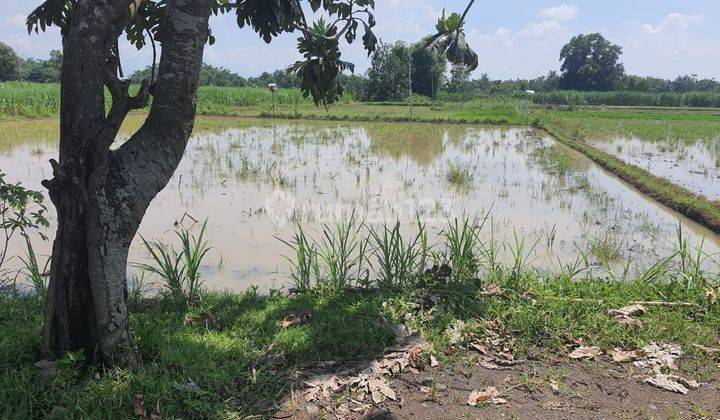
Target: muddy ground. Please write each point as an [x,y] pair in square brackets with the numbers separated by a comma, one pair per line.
[554,389]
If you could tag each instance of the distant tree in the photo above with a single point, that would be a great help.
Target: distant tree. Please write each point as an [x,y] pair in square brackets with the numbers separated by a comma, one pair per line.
[428,71]
[545,83]
[283,78]
[355,85]
[220,76]
[388,73]
[44,71]
[459,78]
[10,64]
[590,62]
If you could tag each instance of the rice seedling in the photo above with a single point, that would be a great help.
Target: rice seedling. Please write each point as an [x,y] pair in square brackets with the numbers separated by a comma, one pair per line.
[459,175]
[605,248]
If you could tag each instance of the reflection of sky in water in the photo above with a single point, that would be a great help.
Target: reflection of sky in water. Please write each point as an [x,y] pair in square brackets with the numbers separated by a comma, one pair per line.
[693,166]
[254,183]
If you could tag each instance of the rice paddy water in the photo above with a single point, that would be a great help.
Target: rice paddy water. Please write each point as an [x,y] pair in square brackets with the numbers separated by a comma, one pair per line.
[256,181]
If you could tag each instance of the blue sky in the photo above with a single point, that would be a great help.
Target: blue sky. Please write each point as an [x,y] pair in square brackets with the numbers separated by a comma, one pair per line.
[514,38]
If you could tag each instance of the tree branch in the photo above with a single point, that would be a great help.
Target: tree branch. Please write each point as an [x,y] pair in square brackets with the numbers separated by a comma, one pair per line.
[465,13]
[149,158]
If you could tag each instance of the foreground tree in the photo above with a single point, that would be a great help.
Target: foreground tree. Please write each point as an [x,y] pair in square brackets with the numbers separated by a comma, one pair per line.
[101,194]
[590,62]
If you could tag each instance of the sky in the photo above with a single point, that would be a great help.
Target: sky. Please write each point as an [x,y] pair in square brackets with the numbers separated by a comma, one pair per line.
[514,38]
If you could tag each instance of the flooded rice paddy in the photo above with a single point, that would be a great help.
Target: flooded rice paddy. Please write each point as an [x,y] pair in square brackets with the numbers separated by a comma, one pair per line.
[255,180]
[695,166]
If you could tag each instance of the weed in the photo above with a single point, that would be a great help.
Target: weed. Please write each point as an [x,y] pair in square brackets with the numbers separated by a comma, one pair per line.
[179,271]
[459,175]
[36,275]
[462,244]
[305,265]
[399,261]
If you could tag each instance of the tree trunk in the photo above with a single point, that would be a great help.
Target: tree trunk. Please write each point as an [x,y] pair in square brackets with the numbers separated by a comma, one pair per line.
[101,195]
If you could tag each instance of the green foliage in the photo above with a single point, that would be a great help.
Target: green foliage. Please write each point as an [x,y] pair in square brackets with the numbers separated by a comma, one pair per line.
[428,71]
[44,71]
[21,212]
[626,98]
[35,273]
[399,262]
[590,62]
[450,41]
[179,271]
[319,71]
[319,43]
[10,64]
[388,73]
[459,78]
[305,267]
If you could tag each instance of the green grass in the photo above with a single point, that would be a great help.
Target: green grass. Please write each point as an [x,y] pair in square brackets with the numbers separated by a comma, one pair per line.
[540,311]
[649,125]
[36,100]
[622,98]
[459,175]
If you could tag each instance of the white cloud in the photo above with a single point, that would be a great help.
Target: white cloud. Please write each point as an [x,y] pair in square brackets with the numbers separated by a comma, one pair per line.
[15,21]
[673,23]
[542,29]
[560,13]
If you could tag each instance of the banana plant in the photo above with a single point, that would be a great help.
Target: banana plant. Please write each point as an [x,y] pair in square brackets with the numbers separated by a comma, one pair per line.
[450,40]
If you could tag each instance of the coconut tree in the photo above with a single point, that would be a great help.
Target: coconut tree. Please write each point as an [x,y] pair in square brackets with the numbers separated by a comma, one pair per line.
[450,39]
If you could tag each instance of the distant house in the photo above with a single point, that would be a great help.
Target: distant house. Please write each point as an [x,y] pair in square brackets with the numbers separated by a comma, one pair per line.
[532,92]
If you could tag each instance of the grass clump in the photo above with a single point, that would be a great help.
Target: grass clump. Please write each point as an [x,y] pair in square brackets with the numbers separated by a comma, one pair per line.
[245,363]
[459,175]
[179,271]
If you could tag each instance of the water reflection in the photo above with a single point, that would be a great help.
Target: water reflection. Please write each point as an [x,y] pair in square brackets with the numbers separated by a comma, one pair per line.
[254,180]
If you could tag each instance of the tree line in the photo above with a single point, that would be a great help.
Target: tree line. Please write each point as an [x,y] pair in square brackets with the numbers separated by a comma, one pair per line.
[589,63]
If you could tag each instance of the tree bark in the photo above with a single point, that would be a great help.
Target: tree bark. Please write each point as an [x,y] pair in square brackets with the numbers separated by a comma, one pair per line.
[101,195]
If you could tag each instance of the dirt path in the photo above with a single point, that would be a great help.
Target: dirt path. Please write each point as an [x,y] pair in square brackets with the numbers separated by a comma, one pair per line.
[559,389]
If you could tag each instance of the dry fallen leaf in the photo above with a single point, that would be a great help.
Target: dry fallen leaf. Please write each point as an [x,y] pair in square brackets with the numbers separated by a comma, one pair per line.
[479,347]
[433,361]
[205,319]
[380,390]
[139,406]
[709,350]
[630,321]
[667,382]
[619,355]
[296,318]
[487,363]
[492,290]
[712,293]
[634,310]
[155,415]
[659,355]
[554,386]
[584,352]
[489,394]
